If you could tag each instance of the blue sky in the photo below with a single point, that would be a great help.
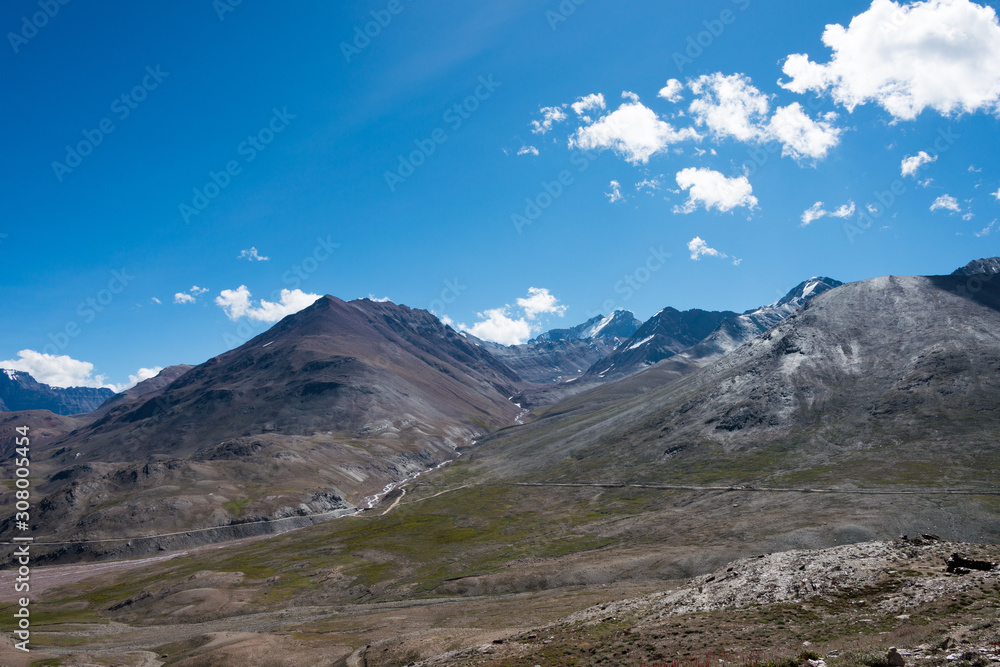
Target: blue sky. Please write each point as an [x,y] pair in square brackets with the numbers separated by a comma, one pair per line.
[170,166]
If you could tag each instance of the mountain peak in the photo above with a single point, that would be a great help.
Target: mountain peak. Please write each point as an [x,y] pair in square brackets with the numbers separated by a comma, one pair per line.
[989,265]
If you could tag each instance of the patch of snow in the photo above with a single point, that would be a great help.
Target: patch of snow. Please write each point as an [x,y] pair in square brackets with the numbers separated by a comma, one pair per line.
[12,374]
[642,342]
[600,325]
[266,344]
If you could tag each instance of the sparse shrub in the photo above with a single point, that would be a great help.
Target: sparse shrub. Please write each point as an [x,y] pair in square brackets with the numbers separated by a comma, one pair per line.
[870,657]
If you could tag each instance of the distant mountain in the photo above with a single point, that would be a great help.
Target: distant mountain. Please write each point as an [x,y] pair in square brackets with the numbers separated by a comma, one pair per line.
[619,324]
[894,380]
[734,331]
[662,336]
[326,408]
[560,355]
[990,266]
[20,391]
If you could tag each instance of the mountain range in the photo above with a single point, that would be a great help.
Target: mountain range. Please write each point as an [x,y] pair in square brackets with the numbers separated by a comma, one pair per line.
[840,414]
[334,405]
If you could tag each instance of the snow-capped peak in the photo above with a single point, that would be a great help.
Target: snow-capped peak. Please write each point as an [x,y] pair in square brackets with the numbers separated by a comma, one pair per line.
[12,374]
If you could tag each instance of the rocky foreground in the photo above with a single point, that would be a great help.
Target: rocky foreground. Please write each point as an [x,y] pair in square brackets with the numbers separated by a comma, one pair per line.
[845,606]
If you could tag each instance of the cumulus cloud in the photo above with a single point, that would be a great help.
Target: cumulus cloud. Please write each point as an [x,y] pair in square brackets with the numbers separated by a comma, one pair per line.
[527,150]
[816,211]
[730,106]
[800,136]
[237,303]
[550,116]
[539,301]
[190,296]
[712,189]
[937,54]
[616,192]
[496,325]
[252,255]
[57,370]
[379,299]
[911,163]
[699,248]
[947,203]
[672,91]
[501,326]
[633,130]
[594,102]
[987,230]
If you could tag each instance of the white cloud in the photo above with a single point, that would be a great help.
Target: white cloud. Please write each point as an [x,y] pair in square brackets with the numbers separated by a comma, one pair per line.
[540,301]
[527,150]
[57,371]
[190,296]
[987,230]
[633,130]
[630,96]
[813,213]
[911,163]
[379,299]
[699,248]
[946,202]
[590,102]
[938,54]
[550,116]
[672,91]
[801,136]
[997,194]
[730,106]
[844,210]
[816,211]
[648,184]
[140,375]
[713,190]
[616,192]
[499,327]
[252,255]
[236,304]
[155,300]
